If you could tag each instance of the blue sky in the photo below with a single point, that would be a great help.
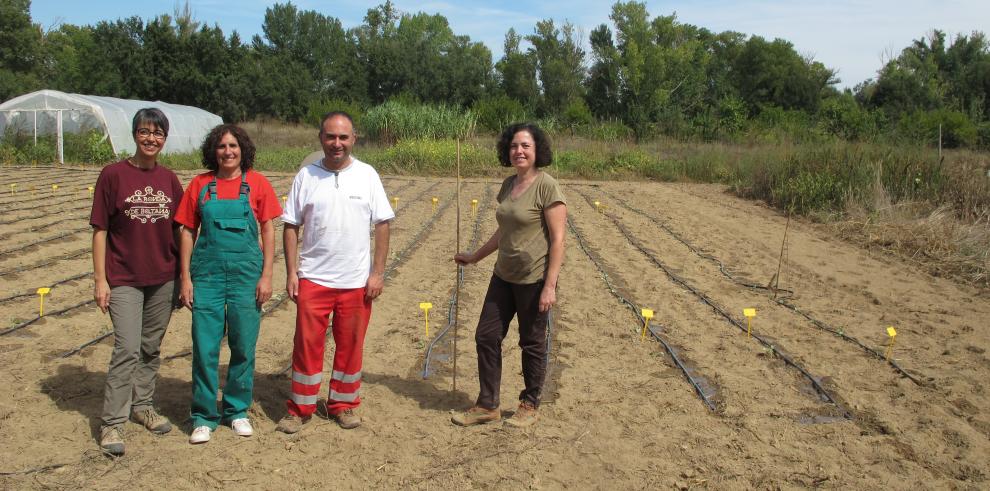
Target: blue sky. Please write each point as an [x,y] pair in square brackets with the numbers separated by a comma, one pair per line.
[854,37]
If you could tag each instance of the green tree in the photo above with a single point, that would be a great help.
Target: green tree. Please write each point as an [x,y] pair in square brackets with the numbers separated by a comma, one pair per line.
[559,65]
[603,81]
[20,49]
[517,72]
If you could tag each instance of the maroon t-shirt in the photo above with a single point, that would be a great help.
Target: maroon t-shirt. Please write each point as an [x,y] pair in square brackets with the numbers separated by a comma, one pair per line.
[137,209]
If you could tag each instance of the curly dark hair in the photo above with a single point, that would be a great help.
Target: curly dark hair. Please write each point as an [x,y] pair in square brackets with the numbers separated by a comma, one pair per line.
[209,147]
[544,156]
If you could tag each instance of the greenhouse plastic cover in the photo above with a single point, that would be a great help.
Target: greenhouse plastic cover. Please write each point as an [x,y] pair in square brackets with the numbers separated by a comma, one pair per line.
[187,125]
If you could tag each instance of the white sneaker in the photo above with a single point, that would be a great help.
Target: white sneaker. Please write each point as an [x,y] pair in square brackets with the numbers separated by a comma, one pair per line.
[242,427]
[200,435]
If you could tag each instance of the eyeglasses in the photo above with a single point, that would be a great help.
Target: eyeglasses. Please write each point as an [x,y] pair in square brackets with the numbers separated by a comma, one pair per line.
[145,133]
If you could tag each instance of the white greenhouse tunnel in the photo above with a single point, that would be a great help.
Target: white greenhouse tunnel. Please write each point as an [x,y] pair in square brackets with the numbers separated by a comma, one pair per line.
[48,112]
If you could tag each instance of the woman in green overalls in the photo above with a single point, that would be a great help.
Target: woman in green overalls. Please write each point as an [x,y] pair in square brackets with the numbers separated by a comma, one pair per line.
[226,276]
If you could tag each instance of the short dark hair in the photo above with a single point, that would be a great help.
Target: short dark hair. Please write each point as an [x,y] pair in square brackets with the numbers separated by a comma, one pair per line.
[333,114]
[544,156]
[209,147]
[151,115]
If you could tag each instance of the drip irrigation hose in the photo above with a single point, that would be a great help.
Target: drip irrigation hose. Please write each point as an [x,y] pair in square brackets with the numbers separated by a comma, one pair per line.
[43,226]
[50,314]
[43,241]
[453,303]
[636,311]
[413,244]
[719,310]
[779,301]
[71,255]
[691,247]
[53,285]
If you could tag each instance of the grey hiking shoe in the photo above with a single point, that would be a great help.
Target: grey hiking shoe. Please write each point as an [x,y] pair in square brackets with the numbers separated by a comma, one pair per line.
[154,422]
[291,424]
[112,440]
[347,419]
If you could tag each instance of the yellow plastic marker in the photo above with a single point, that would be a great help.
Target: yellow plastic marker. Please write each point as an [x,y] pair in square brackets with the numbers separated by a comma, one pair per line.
[598,206]
[474,207]
[395,202]
[90,189]
[435,201]
[13,189]
[892,334]
[749,313]
[41,308]
[425,307]
[54,187]
[647,315]
[284,199]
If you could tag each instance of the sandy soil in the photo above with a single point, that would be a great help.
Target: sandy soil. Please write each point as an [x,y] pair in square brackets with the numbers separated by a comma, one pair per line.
[617,414]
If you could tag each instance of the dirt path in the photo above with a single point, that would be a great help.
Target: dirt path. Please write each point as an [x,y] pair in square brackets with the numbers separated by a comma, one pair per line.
[618,412]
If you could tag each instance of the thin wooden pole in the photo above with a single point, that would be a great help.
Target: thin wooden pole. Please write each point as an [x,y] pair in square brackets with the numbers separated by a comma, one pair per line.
[457,276]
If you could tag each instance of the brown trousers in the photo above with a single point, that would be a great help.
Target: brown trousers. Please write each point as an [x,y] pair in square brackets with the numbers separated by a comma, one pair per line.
[503,301]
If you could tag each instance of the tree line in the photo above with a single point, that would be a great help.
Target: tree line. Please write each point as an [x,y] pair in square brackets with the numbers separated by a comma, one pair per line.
[647,74]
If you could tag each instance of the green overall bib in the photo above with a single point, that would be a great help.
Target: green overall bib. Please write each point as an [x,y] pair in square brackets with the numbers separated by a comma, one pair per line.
[225,268]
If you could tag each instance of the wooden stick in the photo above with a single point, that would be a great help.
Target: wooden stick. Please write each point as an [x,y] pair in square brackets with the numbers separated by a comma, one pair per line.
[457,276]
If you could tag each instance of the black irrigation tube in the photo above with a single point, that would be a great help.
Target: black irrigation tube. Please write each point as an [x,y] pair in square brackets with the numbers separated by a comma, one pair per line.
[50,314]
[44,197]
[31,294]
[44,241]
[416,241]
[43,226]
[779,301]
[691,247]
[636,311]
[719,310]
[266,310]
[67,256]
[452,304]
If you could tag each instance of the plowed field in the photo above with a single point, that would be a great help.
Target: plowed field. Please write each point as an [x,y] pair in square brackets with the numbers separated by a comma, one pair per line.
[807,400]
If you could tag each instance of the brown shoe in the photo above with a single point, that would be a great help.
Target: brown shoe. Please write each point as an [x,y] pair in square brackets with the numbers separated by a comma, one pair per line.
[347,419]
[291,424]
[475,416]
[112,440]
[152,421]
[525,416]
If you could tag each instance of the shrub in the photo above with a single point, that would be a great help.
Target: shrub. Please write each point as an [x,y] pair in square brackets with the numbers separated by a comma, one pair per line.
[395,121]
[495,113]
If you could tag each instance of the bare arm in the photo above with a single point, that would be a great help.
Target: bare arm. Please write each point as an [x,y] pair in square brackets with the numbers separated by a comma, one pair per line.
[101,288]
[263,291]
[465,258]
[187,238]
[290,241]
[376,281]
[556,216]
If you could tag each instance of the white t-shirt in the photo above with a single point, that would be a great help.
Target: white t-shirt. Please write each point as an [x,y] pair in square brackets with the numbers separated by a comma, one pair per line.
[336,210]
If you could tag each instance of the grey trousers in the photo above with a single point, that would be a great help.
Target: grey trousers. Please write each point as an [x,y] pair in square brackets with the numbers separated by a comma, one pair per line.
[140,316]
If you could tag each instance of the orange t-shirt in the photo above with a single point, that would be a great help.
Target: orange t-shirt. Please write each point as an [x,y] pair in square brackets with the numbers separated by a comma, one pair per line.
[262,197]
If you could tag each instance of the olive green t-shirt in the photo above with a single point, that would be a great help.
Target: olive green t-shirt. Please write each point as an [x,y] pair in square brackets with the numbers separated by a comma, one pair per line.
[525,242]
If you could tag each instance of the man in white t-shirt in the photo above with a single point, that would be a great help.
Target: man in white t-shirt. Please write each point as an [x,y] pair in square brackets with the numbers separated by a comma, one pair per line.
[336,199]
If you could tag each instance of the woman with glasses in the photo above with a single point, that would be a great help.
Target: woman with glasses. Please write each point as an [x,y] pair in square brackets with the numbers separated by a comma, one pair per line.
[134,268]
[226,275]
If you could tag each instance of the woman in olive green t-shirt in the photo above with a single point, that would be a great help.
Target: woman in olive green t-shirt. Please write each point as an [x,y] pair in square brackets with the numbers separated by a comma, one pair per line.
[531,217]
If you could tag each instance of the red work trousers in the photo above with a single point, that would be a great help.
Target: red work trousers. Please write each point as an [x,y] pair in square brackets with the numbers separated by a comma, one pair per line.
[351,313]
